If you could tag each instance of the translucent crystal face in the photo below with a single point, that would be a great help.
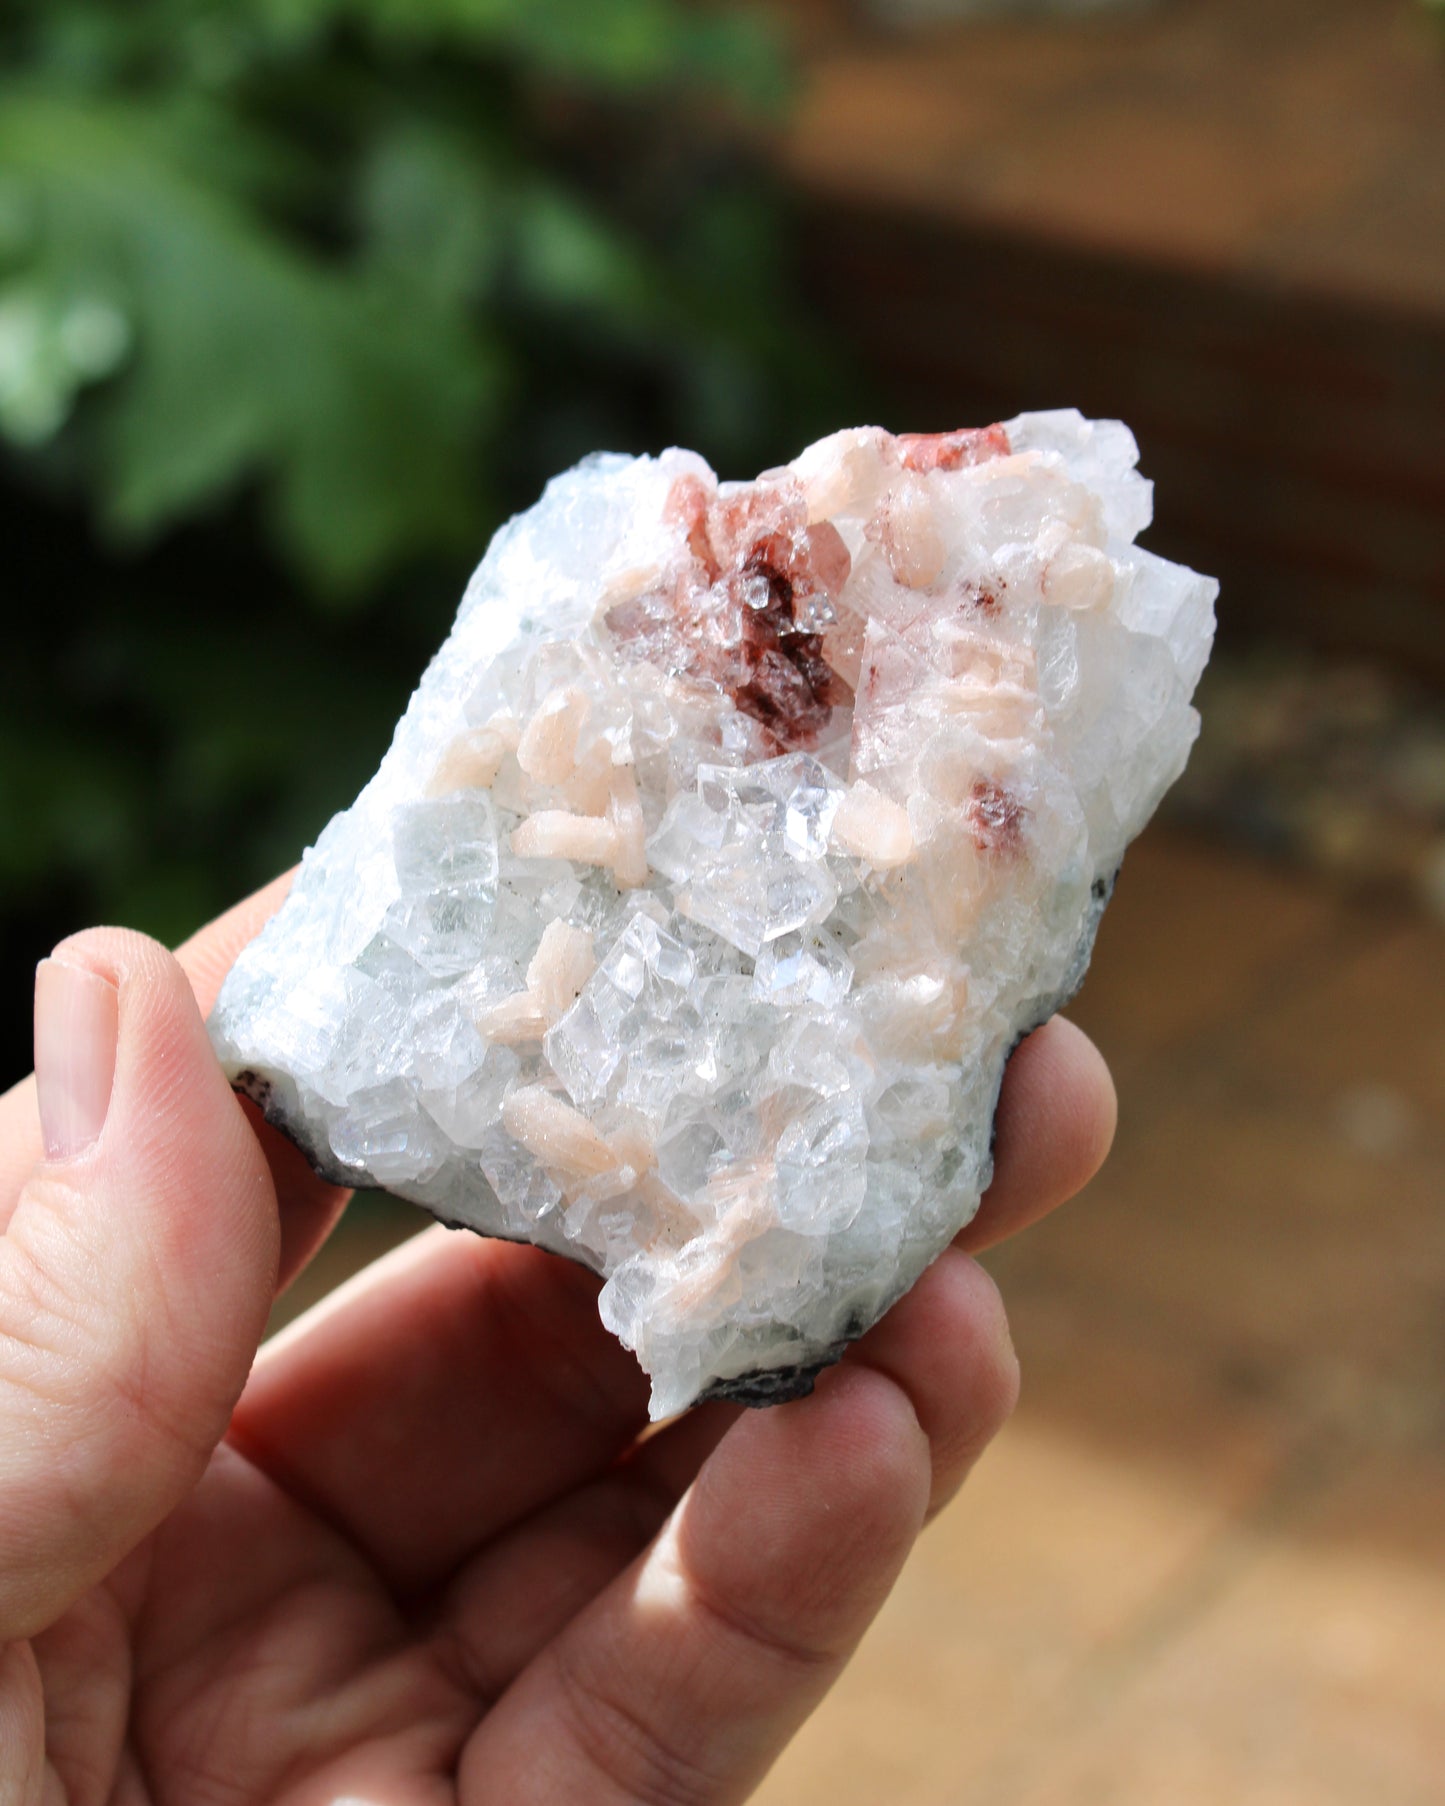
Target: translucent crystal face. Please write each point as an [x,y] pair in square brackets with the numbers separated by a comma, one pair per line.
[726,848]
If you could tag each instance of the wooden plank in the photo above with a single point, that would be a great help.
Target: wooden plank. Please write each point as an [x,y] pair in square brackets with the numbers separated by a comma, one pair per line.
[1298,447]
[1216,137]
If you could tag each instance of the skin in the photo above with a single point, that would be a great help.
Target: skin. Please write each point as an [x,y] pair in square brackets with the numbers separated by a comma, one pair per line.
[418,1550]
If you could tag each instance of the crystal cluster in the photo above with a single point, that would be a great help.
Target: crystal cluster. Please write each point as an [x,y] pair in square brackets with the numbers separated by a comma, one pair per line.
[727,847]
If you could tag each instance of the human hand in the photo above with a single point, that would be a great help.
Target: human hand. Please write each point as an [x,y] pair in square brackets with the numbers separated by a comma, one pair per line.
[423,1552]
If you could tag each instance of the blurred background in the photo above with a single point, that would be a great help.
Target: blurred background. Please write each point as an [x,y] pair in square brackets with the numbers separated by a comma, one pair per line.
[300,298]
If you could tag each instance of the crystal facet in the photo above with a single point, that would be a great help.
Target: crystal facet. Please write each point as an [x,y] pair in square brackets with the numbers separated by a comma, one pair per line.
[727,847]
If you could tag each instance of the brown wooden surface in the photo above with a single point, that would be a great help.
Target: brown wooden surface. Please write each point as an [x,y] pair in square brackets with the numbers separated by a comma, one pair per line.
[1206,1562]
[1299,143]
[1220,220]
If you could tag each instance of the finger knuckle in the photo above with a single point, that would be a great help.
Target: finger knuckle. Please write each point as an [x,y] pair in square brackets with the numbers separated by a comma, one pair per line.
[624,1746]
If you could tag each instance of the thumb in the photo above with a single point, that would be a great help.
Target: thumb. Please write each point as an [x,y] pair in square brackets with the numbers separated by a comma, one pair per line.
[136,1272]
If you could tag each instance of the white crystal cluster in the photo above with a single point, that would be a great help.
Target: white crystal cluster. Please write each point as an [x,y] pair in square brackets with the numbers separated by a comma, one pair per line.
[727,847]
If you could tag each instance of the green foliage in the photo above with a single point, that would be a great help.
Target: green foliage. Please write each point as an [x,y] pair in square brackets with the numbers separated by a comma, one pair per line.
[360,404]
[289,241]
[297,298]
[311,243]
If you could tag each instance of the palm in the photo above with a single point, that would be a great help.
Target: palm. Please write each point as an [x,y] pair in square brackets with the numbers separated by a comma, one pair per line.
[251,1655]
[430,1554]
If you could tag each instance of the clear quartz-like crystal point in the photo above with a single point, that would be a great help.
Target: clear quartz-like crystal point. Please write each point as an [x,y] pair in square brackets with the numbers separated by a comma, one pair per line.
[727,847]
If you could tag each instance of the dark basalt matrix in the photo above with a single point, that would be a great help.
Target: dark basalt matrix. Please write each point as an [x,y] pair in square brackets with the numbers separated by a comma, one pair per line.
[725,851]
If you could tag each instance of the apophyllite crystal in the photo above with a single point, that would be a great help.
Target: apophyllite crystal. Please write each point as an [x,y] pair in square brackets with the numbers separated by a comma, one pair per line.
[729,844]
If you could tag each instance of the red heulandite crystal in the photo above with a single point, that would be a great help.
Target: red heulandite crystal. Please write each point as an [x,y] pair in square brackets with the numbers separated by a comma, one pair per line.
[750,612]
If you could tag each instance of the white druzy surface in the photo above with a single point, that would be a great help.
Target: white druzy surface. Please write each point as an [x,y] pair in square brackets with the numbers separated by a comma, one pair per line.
[727,847]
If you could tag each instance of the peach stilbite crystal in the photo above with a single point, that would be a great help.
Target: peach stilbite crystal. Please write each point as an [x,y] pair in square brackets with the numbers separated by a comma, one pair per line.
[726,849]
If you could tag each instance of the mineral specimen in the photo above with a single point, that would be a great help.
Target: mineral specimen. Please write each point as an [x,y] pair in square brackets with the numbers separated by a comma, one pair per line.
[730,843]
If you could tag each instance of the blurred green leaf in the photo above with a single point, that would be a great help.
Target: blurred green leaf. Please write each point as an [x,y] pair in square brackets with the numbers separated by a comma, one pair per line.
[567,255]
[361,408]
[313,256]
[433,210]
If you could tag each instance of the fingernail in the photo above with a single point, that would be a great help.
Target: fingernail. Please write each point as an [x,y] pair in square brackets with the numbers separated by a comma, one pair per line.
[77,1015]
